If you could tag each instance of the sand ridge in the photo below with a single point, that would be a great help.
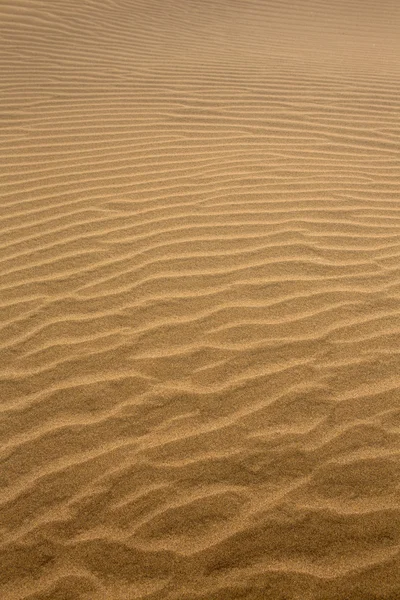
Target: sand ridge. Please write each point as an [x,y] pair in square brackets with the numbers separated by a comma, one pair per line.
[199,300]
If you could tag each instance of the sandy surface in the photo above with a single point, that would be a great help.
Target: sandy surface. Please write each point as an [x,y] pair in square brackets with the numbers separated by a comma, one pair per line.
[200,299]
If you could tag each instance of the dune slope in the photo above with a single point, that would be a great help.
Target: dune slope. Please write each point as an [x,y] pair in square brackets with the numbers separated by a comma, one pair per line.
[199,300]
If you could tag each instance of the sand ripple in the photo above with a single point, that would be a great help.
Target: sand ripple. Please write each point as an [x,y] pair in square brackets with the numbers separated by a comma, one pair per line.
[199,300]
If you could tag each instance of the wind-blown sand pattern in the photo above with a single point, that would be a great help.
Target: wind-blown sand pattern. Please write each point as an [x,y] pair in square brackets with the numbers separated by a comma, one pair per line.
[200,300]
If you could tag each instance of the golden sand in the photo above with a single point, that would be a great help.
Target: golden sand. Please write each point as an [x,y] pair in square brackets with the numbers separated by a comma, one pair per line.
[200,299]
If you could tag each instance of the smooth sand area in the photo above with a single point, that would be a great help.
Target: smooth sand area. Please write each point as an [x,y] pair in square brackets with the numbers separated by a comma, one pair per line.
[199,300]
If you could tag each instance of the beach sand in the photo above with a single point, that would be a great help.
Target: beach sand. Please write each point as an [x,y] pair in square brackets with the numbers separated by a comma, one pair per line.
[199,300]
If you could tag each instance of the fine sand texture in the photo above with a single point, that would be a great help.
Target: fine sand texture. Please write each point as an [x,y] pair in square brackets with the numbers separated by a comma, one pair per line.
[199,300]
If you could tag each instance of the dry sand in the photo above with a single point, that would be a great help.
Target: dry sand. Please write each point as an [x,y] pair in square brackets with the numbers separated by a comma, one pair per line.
[200,299]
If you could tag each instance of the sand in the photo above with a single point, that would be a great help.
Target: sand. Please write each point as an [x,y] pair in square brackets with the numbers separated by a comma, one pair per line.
[200,300]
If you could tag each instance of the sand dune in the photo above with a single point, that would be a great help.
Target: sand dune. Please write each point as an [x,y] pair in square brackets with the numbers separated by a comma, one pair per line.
[200,300]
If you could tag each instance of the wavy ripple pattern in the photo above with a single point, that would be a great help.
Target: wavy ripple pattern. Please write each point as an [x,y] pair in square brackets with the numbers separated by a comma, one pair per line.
[199,300]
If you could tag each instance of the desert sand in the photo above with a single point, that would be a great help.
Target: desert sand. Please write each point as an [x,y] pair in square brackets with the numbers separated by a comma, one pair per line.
[200,300]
